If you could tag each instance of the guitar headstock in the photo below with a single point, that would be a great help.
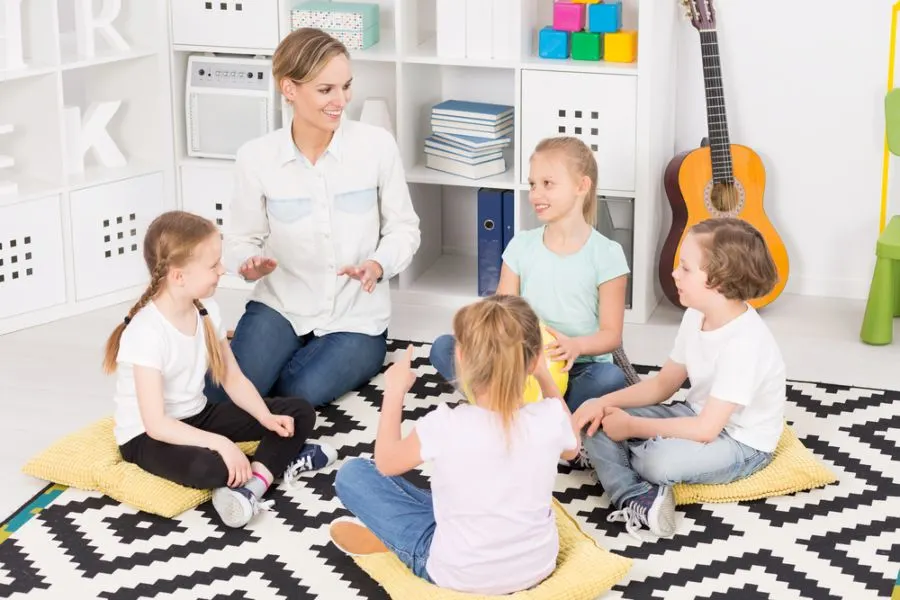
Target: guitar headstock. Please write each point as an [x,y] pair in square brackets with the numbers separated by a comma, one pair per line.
[701,13]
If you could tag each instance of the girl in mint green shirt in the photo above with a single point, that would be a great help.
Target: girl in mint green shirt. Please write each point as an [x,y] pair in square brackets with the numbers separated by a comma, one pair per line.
[572,275]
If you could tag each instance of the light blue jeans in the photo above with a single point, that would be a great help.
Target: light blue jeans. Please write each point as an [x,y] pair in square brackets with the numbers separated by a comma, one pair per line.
[586,379]
[628,468]
[400,514]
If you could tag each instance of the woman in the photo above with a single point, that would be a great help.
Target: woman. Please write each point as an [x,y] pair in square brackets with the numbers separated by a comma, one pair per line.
[321,219]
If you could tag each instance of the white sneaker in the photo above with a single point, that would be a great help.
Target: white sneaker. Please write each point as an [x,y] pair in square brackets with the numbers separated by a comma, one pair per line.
[237,506]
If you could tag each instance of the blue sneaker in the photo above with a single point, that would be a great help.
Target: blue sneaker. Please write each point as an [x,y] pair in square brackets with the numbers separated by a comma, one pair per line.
[654,509]
[312,457]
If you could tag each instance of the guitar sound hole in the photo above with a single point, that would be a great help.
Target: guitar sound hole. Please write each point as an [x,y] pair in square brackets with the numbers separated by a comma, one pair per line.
[724,198]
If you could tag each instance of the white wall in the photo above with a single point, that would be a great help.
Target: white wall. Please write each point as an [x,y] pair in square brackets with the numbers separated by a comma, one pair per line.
[804,86]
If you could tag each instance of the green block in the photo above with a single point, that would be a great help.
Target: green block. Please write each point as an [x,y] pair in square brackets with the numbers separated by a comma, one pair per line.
[586,45]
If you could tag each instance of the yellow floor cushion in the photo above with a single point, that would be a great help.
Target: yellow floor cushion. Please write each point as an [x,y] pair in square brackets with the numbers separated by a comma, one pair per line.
[793,469]
[584,571]
[89,459]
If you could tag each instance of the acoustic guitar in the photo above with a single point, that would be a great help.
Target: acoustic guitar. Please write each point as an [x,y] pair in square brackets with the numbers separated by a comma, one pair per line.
[719,179]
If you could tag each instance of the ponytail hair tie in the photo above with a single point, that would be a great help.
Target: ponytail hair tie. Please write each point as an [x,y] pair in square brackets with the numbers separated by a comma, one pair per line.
[127,320]
[203,312]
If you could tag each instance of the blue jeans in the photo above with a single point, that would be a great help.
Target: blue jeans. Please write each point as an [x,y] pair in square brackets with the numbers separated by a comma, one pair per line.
[629,468]
[280,363]
[397,512]
[586,379]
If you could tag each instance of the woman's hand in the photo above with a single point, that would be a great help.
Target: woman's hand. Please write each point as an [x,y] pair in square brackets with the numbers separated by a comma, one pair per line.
[367,273]
[563,348]
[257,267]
[283,425]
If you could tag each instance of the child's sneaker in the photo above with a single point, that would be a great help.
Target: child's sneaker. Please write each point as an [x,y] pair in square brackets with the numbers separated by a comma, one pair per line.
[312,457]
[236,506]
[654,509]
[354,538]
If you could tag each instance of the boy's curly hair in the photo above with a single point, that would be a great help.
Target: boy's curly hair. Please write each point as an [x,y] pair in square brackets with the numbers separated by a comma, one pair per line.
[737,260]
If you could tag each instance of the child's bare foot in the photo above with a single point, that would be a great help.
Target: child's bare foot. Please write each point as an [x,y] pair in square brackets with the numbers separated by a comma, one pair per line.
[354,538]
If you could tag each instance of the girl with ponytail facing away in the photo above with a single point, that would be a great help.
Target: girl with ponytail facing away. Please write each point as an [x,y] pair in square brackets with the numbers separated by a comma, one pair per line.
[487,526]
[161,353]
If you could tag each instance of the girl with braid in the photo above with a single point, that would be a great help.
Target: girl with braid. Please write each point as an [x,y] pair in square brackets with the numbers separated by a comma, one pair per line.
[162,352]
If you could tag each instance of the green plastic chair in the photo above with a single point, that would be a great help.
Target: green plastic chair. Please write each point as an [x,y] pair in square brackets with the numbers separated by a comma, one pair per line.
[884,292]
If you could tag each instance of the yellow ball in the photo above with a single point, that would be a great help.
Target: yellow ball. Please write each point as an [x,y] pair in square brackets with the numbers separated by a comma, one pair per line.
[532,388]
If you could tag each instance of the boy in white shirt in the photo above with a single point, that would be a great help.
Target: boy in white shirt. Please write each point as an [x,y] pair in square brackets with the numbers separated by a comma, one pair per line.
[733,416]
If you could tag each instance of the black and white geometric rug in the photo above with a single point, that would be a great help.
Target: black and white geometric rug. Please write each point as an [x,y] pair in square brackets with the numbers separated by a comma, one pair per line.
[841,541]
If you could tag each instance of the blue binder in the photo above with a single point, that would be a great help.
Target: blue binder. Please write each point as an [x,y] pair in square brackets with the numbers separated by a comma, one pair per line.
[509,216]
[490,239]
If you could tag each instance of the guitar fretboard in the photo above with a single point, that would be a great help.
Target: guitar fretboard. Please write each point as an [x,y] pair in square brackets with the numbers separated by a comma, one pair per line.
[717,123]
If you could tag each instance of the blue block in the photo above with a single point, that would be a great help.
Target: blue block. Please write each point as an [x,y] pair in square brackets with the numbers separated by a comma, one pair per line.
[553,43]
[605,17]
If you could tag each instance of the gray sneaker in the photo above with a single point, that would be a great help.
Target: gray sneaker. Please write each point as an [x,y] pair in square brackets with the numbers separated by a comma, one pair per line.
[236,506]
[654,509]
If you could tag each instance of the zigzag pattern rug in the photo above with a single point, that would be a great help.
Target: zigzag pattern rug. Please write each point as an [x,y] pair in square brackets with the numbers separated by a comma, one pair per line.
[841,541]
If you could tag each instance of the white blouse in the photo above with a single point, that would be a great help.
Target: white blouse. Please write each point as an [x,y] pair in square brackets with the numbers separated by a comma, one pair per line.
[351,206]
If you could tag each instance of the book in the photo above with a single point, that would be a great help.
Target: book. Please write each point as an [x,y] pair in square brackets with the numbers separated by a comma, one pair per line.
[485,169]
[478,110]
[472,141]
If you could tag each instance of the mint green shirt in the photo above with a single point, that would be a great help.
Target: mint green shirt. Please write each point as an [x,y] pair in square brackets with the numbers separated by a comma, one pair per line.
[562,290]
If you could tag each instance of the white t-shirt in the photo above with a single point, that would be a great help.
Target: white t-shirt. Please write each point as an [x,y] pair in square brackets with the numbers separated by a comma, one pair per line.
[495,529]
[741,363]
[150,340]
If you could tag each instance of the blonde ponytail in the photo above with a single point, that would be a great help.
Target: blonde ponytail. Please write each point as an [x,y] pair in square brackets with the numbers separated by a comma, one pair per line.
[499,340]
[217,366]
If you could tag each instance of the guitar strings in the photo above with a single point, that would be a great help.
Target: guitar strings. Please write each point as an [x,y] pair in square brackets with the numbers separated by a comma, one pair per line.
[724,193]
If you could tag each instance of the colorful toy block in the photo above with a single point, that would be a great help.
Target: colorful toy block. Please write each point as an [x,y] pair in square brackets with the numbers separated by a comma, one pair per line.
[553,43]
[605,17]
[585,1]
[569,16]
[620,46]
[586,45]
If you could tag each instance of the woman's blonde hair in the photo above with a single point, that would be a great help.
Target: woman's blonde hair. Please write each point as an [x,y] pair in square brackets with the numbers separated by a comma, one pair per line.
[499,339]
[170,242]
[303,53]
[581,163]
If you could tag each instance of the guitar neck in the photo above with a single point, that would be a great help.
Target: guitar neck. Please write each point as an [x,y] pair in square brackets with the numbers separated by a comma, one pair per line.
[717,123]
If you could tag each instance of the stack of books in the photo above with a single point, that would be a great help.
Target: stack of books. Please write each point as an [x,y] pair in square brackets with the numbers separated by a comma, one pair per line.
[468,138]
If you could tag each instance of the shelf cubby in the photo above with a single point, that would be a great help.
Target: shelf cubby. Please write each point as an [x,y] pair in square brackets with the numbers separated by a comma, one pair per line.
[34,144]
[423,86]
[129,23]
[143,146]
[445,270]
[373,80]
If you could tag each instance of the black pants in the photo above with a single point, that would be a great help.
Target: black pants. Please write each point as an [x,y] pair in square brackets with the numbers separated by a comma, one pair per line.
[202,468]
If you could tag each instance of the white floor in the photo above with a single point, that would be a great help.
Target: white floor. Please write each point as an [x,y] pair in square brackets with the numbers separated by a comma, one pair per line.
[51,382]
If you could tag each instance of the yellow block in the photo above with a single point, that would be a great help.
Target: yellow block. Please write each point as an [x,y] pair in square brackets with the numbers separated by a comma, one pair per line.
[585,1]
[620,46]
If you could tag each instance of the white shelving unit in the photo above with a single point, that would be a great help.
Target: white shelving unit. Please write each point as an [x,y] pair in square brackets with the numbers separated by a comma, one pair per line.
[71,241]
[626,111]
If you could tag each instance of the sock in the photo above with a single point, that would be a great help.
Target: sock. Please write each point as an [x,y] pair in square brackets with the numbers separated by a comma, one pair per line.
[258,484]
